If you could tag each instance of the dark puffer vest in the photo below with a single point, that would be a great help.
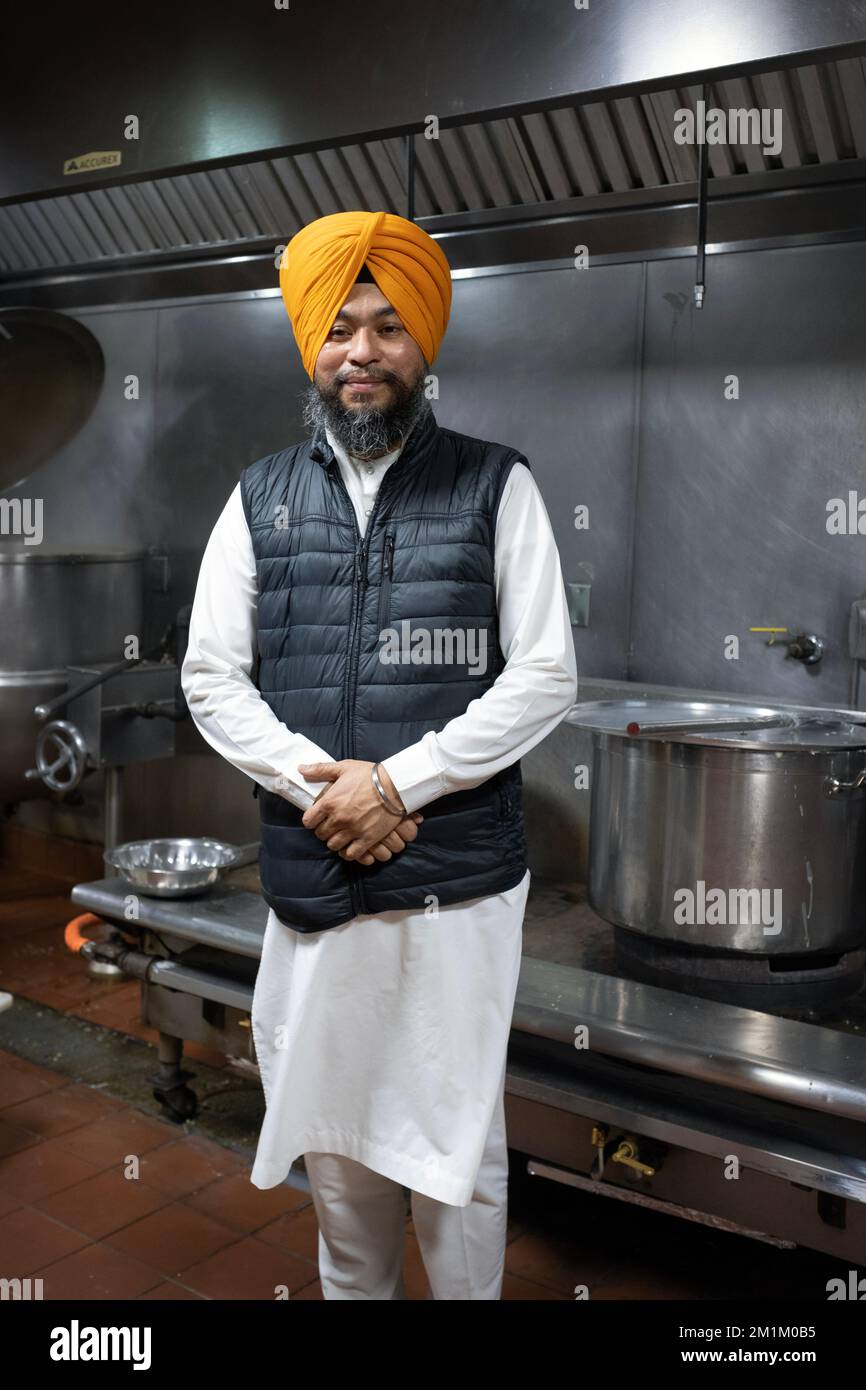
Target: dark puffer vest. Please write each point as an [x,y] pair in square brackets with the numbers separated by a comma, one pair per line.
[325,595]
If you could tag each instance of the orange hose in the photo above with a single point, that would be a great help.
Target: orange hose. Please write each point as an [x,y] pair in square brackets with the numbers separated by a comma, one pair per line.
[73,934]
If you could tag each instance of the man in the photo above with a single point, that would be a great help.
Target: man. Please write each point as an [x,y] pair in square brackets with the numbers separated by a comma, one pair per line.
[400,587]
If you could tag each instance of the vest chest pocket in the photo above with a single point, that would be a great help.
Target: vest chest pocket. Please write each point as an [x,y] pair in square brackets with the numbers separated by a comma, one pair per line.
[385,583]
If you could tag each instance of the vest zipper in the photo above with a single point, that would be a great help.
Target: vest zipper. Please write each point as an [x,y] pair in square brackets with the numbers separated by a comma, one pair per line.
[387,576]
[350,685]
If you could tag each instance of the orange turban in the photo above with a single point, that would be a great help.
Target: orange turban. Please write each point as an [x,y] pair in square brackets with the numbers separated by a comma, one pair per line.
[322,261]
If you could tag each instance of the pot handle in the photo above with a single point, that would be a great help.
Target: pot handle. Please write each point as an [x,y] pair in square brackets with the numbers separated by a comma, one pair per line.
[833,787]
[246,854]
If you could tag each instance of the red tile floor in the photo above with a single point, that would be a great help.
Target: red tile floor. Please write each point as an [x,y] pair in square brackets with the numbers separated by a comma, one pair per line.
[189,1224]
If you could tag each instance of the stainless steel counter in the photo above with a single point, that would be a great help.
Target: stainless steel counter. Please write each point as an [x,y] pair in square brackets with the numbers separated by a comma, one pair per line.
[569,978]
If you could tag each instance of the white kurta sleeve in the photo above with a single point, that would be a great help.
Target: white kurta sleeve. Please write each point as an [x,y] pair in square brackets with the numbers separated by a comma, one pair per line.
[539,682]
[227,709]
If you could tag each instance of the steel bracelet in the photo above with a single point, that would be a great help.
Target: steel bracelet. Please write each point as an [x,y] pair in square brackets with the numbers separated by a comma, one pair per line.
[395,810]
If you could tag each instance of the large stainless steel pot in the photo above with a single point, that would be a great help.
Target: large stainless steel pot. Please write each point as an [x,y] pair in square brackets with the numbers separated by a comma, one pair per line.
[677,816]
[57,609]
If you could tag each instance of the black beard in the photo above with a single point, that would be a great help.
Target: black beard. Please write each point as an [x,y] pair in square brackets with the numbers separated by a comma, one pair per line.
[367,432]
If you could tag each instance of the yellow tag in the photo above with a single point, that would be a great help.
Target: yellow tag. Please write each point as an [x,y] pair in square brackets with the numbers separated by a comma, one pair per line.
[97,159]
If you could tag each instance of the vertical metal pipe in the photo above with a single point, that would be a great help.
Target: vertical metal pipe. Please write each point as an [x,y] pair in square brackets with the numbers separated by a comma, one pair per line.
[410,176]
[700,285]
[113,792]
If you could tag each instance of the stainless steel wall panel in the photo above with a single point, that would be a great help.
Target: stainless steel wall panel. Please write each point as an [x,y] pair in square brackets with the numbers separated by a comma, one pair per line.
[228,383]
[732,497]
[95,488]
[548,361]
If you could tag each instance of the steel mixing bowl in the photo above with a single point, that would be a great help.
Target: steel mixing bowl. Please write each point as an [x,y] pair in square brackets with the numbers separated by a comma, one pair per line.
[176,868]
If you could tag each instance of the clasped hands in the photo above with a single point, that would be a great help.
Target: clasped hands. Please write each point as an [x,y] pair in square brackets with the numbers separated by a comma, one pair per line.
[351,818]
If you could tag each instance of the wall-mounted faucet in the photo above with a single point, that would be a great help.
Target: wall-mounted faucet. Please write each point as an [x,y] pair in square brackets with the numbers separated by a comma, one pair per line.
[806,647]
[803,646]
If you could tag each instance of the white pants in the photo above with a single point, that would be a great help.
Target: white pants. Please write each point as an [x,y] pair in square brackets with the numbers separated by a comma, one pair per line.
[362,1227]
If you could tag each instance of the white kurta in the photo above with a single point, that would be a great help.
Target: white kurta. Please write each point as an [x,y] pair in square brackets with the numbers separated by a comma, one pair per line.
[384,1039]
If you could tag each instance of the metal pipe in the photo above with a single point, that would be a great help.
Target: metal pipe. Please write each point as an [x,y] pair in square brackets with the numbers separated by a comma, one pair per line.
[700,270]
